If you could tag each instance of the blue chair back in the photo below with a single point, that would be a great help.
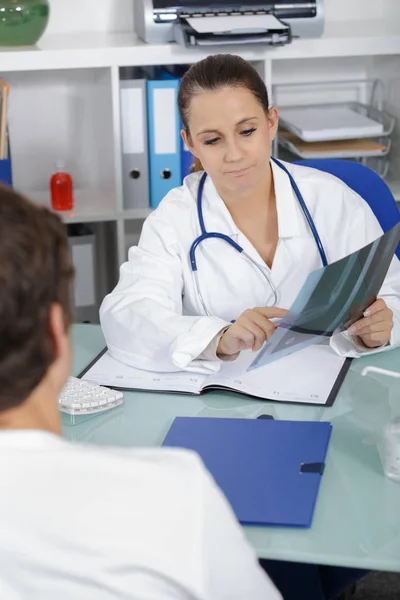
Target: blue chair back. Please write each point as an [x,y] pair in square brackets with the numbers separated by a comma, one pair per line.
[367,184]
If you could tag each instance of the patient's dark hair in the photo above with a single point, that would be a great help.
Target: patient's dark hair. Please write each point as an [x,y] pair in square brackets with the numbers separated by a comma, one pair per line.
[35,272]
[215,72]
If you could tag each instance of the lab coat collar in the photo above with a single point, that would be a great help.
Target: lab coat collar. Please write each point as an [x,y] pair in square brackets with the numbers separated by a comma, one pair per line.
[291,220]
[217,217]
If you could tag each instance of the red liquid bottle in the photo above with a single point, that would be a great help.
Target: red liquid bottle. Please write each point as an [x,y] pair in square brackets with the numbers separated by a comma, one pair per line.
[61,189]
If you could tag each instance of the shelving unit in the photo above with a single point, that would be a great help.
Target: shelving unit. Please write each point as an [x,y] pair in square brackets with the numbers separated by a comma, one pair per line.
[65,105]
[89,206]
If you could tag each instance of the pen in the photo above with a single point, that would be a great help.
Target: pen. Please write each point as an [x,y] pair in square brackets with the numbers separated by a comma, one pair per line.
[274,320]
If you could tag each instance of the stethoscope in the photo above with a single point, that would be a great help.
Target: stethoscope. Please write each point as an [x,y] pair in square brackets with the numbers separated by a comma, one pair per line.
[225,238]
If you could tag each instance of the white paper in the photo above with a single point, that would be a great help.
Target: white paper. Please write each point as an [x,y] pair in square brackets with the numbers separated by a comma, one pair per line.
[293,378]
[164,101]
[315,124]
[133,134]
[232,24]
[82,258]
[307,376]
[108,371]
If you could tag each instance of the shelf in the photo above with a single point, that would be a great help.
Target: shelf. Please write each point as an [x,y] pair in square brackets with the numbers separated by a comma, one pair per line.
[89,206]
[92,206]
[346,38]
[137,213]
[95,50]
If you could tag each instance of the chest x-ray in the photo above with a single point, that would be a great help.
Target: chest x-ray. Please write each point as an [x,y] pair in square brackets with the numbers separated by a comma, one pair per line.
[332,298]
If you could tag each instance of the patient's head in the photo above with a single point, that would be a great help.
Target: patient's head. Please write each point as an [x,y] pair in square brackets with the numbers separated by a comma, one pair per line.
[35,312]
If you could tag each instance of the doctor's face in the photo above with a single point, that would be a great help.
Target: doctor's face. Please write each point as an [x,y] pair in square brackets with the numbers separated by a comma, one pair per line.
[231,134]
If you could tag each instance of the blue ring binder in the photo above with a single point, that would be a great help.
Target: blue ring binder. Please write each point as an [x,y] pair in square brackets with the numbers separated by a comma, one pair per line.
[5,172]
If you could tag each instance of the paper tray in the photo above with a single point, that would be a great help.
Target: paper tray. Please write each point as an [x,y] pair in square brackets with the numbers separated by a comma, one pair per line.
[322,122]
[351,148]
[227,30]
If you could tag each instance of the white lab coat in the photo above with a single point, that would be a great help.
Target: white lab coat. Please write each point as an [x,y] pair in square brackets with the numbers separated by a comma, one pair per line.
[154,320]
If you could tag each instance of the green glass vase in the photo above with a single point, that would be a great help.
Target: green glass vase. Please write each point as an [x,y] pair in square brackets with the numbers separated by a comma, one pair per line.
[22,22]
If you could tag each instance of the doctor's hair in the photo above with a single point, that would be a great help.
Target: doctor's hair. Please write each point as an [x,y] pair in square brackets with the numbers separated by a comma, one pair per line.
[35,272]
[215,72]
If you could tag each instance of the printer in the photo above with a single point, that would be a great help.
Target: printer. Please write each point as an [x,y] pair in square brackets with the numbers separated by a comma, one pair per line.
[197,23]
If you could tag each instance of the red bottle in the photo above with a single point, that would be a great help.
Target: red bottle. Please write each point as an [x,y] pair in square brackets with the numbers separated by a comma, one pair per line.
[61,189]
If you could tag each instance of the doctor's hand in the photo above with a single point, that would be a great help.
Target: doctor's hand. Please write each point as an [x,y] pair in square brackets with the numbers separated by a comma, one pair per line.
[375,328]
[251,330]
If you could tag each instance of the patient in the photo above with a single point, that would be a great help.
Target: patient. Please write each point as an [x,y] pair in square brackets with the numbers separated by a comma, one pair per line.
[79,521]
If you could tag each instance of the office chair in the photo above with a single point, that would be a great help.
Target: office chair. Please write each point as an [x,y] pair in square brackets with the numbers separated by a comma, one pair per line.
[367,184]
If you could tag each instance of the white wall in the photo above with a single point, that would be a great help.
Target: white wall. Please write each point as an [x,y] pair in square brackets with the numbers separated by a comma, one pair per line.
[68,16]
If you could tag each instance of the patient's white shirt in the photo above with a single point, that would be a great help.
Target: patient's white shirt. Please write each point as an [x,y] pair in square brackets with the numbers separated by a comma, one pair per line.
[83,522]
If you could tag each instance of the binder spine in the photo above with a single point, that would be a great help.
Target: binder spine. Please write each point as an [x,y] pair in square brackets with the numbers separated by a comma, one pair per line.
[135,169]
[6,172]
[164,139]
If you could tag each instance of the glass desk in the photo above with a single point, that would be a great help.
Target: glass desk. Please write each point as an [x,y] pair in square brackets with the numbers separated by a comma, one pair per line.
[357,517]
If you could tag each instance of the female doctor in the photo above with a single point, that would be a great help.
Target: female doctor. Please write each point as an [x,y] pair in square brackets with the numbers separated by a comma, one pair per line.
[236,241]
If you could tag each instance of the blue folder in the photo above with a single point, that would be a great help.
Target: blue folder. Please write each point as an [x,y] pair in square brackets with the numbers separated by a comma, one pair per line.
[165,164]
[6,172]
[176,72]
[270,471]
